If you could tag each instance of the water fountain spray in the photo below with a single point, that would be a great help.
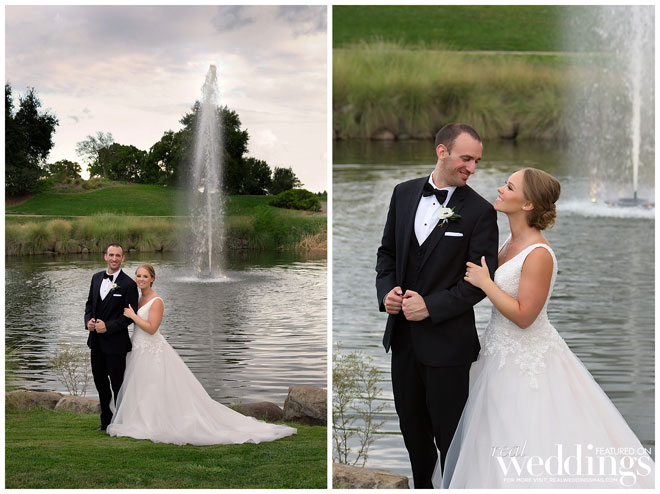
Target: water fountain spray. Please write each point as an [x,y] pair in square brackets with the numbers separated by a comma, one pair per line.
[612,106]
[205,190]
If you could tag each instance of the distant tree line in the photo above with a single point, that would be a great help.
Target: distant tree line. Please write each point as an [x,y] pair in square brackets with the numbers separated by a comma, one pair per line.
[29,133]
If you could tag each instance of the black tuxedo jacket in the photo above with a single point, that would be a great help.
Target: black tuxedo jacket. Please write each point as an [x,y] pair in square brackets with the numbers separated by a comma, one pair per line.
[448,336]
[111,311]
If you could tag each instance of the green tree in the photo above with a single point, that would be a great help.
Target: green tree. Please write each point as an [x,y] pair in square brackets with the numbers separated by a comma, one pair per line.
[28,141]
[234,143]
[256,179]
[63,169]
[283,179]
[91,150]
[123,163]
[167,155]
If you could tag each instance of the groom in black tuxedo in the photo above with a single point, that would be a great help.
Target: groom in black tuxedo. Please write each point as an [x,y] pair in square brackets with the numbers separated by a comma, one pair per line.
[110,292]
[421,264]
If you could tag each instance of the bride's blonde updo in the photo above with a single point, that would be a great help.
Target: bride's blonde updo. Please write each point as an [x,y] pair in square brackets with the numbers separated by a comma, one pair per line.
[150,269]
[542,190]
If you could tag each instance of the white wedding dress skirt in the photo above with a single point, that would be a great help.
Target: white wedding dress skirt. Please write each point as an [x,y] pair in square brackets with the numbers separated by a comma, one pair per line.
[535,417]
[161,400]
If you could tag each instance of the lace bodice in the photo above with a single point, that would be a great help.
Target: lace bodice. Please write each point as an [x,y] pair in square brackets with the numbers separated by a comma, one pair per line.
[502,338]
[143,341]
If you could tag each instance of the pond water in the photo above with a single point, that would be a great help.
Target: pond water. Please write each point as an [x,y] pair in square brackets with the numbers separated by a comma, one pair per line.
[602,303]
[247,338]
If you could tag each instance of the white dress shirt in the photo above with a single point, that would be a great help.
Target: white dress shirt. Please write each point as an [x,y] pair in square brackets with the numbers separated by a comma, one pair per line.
[106,284]
[426,217]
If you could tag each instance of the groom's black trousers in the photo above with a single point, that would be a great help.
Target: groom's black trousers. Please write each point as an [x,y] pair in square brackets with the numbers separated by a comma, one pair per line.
[429,402]
[104,366]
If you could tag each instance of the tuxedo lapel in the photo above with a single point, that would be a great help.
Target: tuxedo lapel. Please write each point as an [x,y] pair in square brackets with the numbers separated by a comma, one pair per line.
[457,202]
[409,212]
[96,288]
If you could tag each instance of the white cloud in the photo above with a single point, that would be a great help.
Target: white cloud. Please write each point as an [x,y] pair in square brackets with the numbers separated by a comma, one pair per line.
[135,70]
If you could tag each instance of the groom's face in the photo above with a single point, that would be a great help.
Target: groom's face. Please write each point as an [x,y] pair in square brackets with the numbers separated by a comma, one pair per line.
[114,256]
[461,162]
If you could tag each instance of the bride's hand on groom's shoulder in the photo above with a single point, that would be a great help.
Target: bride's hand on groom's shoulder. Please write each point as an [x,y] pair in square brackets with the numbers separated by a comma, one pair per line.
[477,275]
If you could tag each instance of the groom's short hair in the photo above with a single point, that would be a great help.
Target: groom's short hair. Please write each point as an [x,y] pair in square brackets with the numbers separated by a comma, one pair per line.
[448,134]
[114,245]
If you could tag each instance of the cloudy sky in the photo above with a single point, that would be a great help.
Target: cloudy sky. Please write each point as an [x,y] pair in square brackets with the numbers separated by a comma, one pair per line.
[135,70]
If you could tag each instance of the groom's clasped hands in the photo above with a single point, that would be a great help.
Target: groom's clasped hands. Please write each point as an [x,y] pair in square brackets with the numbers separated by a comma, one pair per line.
[96,325]
[411,302]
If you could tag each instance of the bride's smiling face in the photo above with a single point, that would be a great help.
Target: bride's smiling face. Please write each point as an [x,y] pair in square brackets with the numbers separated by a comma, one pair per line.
[143,278]
[510,198]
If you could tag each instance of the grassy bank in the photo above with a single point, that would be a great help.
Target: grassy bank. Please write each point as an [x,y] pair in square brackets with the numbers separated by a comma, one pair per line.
[413,92]
[135,200]
[462,27]
[88,221]
[62,450]
[506,70]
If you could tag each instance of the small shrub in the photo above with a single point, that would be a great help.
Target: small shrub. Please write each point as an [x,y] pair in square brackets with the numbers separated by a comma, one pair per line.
[296,199]
[355,389]
[71,366]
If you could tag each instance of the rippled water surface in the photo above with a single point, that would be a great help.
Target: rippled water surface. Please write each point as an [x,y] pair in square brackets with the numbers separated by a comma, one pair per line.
[603,300]
[247,338]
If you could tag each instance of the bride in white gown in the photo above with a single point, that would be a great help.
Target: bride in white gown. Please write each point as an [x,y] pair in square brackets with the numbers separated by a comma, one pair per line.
[535,417]
[161,399]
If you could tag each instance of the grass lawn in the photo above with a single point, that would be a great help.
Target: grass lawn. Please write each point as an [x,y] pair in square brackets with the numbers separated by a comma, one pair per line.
[457,27]
[138,200]
[63,450]
[121,213]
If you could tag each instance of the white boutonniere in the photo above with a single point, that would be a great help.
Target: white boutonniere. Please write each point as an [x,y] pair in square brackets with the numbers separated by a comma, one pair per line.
[446,214]
[114,286]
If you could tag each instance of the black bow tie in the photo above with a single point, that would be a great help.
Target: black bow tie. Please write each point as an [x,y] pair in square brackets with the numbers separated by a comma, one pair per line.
[429,190]
[111,277]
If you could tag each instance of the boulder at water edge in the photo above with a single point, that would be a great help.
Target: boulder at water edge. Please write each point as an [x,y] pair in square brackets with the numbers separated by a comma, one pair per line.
[263,410]
[25,400]
[79,404]
[307,405]
[349,477]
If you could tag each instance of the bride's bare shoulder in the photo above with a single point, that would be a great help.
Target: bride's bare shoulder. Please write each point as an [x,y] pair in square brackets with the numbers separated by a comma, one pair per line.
[539,260]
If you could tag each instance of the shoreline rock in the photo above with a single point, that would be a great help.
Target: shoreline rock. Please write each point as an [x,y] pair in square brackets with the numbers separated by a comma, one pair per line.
[26,400]
[78,404]
[263,410]
[306,405]
[350,477]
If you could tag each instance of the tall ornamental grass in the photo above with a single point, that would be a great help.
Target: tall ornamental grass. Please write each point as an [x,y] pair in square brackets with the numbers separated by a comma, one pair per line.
[265,228]
[383,85]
